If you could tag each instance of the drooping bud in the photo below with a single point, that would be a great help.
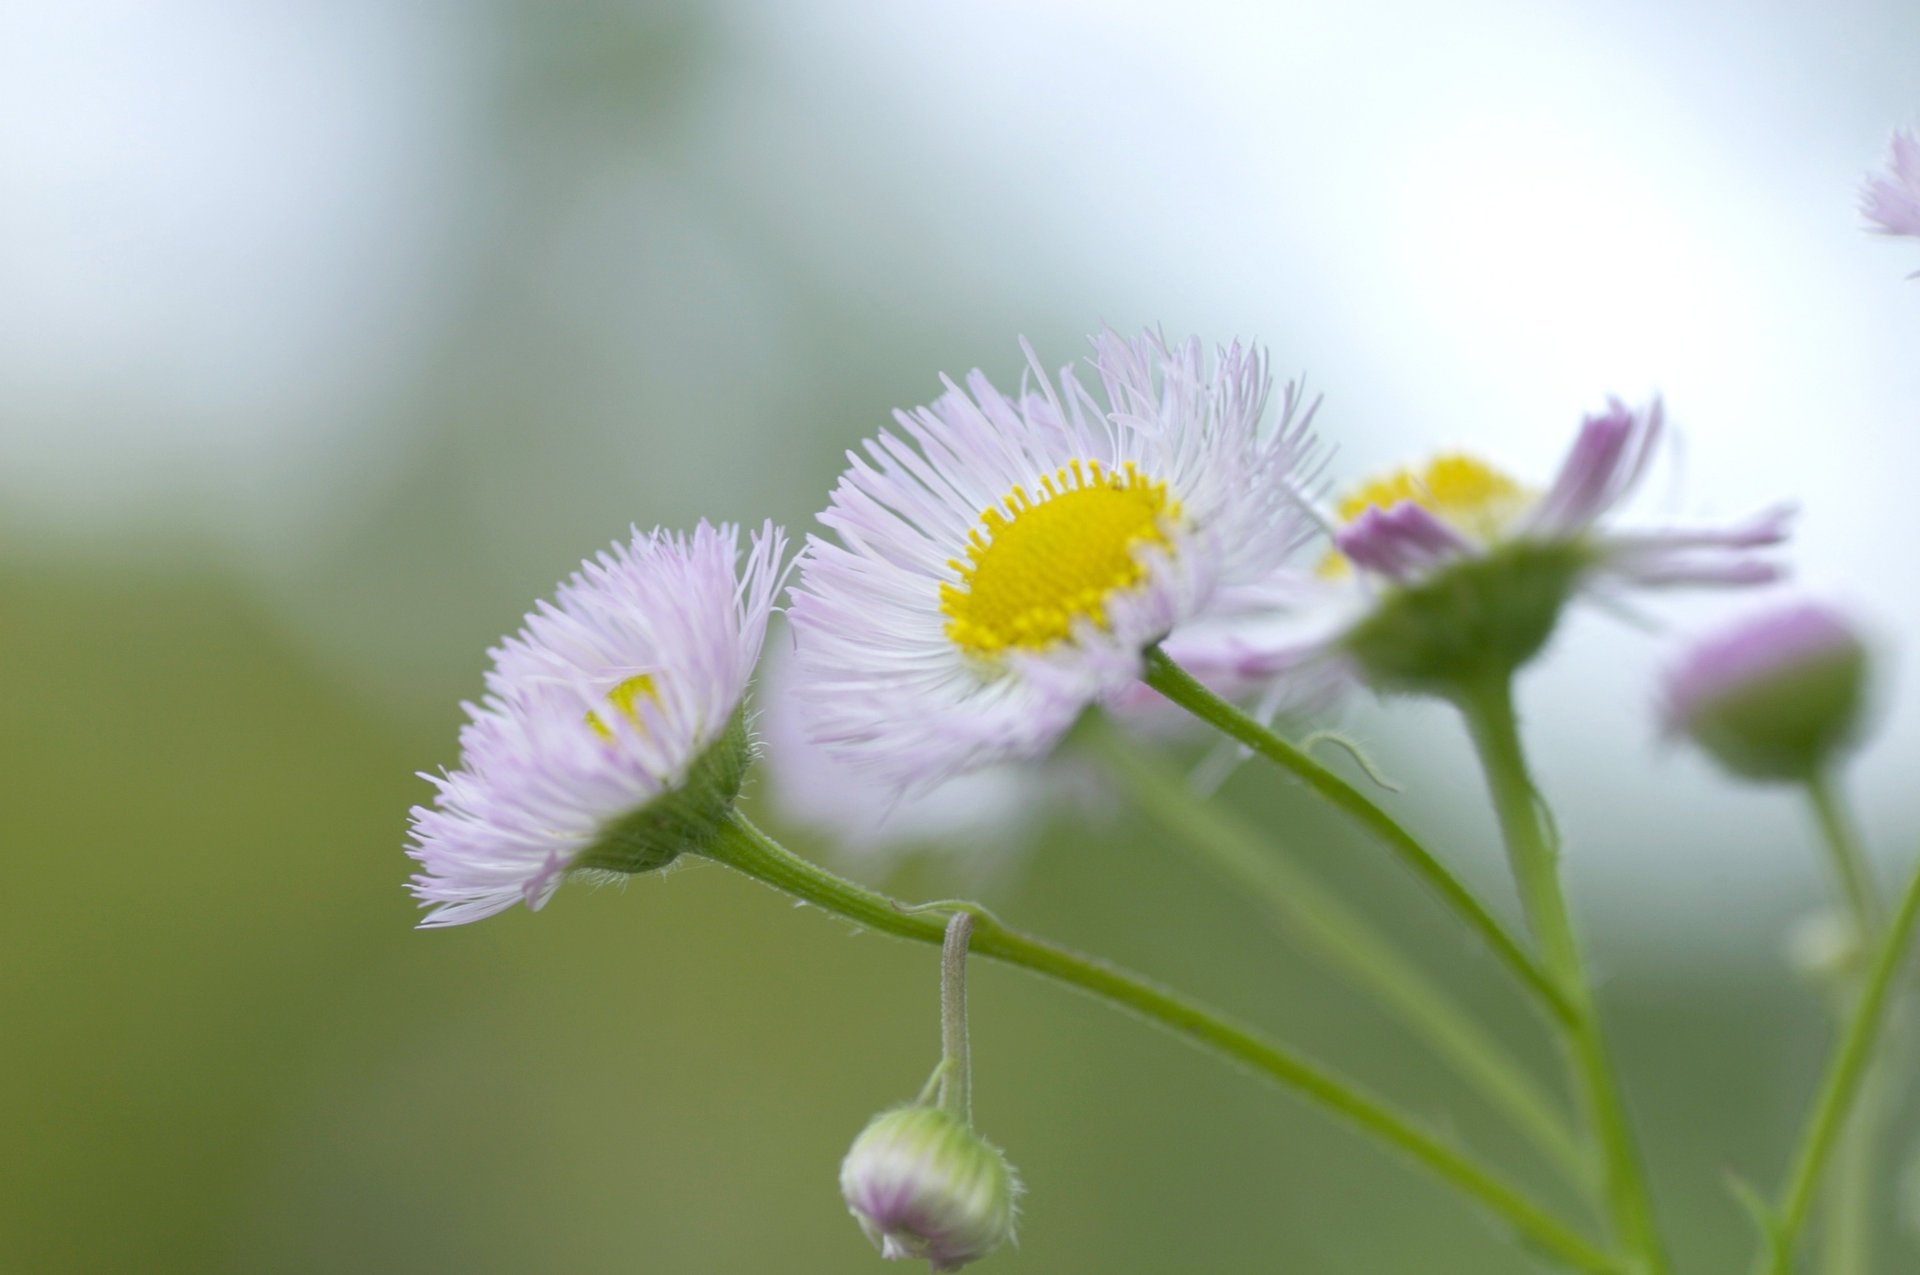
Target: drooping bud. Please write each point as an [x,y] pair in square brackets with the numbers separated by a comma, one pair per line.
[923,1185]
[1776,697]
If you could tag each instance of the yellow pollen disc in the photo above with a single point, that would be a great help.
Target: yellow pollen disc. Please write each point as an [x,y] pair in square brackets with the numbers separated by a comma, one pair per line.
[1039,562]
[1467,494]
[623,698]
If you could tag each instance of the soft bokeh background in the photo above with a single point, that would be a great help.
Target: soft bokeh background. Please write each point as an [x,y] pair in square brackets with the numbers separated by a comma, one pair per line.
[331,334]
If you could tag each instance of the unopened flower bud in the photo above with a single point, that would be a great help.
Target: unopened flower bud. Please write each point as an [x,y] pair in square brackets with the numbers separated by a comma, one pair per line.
[1776,697]
[923,1185]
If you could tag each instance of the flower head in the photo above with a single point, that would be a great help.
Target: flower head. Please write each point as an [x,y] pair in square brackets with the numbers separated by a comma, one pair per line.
[1001,564]
[1775,696]
[610,736]
[1892,202]
[923,1185]
[1461,567]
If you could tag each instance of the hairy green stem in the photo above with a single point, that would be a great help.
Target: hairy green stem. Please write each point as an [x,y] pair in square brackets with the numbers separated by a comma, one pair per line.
[1531,848]
[1311,913]
[1842,1084]
[746,848]
[1846,1238]
[956,1067]
[1174,682]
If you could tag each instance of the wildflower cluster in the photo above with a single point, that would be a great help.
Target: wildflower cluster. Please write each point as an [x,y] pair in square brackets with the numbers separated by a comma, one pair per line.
[1017,592]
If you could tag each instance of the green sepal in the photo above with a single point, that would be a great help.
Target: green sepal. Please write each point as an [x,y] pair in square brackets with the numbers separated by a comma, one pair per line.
[685,819]
[1478,618]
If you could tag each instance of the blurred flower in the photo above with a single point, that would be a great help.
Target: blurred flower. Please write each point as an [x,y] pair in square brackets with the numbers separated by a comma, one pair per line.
[610,737]
[1892,202]
[923,1185]
[1462,568]
[1826,948]
[983,820]
[1004,565]
[1775,696]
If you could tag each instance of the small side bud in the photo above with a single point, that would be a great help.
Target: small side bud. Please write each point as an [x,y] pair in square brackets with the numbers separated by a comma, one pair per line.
[924,1186]
[1776,697]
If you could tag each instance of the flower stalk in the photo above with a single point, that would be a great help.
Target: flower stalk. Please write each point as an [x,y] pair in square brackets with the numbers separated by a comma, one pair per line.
[745,847]
[1174,682]
[956,1067]
[1844,1081]
[1307,911]
[1488,708]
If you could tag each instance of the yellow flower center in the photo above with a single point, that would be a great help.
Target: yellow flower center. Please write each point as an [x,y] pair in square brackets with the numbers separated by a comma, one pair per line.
[1469,495]
[1039,562]
[624,699]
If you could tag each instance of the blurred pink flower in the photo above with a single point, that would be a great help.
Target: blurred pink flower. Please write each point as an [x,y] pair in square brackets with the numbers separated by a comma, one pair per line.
[1892,202]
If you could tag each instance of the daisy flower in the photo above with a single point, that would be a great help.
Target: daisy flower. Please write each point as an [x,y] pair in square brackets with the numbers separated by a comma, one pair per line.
[610,738]
[1892,202]
[1456,566]
[1002,563]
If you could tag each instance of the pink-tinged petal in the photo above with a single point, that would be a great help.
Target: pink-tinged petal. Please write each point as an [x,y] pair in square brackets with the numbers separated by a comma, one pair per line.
[1604,465]
[1892,202]
[1701,556]
[1400,542]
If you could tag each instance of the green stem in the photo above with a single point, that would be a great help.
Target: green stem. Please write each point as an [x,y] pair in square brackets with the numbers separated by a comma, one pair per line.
[1843,1082]
[1847,1232]
[1850,863]
[745,847]
[1488,709]
[1174,682]
[1311,912]
[956,1066]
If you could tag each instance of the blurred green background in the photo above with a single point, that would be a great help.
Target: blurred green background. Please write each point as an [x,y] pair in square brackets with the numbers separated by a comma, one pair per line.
[334,335]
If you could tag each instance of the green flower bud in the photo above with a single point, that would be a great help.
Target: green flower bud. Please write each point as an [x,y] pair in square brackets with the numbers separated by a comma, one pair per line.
[1777,697]
[1480,615]
[924,1186]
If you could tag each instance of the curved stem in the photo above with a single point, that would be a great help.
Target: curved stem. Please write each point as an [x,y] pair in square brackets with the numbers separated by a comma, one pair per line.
[956,1068]
[1844,1080]
[1310,912]
[1488,709]
[745,847]
[1174,682]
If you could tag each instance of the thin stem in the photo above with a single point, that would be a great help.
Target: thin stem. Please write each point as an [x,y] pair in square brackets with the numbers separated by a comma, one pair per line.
[745,847]
[1174,682]
[1846,1231]
[1844,1081]
[1846,1234]
[1310,912]
[1849,858]
[1488,709]
[956,1070]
